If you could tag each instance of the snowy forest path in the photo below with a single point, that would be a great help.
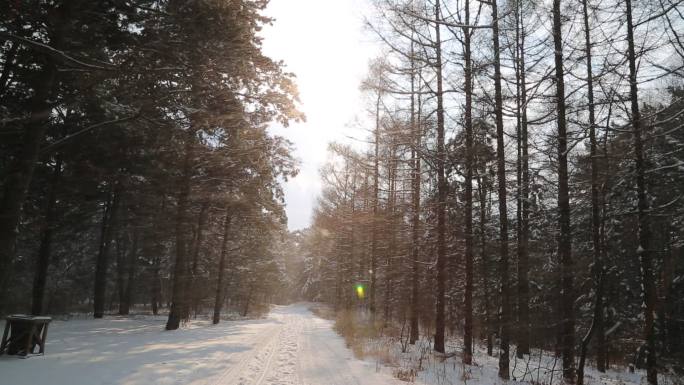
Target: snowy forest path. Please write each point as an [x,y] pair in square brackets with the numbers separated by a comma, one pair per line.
[302,349]
[291,346]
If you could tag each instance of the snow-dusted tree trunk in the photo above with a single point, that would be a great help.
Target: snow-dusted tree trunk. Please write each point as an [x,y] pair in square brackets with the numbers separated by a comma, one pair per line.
[107,228]
[416,132]
[218,298]
[564,237]
[441,190]
[45,249]
[179,300]
[644,230]
[523,205]
[597,325]
[375,203]
[504,290]
[468,117]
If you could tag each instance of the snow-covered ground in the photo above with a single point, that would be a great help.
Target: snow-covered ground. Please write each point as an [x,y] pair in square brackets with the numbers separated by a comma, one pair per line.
[290,347]
[419,364]
[422,366]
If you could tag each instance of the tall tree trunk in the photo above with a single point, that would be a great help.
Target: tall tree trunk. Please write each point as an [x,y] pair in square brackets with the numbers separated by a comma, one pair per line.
[602,353]
[350,276]
[43,260]
[505,308]
[644,232]
[441,192]
[391,247]
[131,264]
[121,266]
[156,285]
[415,214]
[157,250]
[374,220]
[361,268]
[193,289]
[598,310]
[468,300]
[524,188]
[245,309]
[180,269]
[107,229]
[218,302]
[482,193]
[675,253]
[597,322]
[564,237]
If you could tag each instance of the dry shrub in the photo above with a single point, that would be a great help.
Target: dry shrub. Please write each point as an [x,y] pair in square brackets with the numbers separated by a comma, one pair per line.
[381,351]
[405,374]
[357,332]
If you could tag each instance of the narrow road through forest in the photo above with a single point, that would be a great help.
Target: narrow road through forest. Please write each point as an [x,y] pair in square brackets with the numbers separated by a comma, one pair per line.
[299,348]
[291,346]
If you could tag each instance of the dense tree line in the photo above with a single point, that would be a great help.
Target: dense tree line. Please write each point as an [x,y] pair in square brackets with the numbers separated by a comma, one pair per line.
[135,162]
[523,183]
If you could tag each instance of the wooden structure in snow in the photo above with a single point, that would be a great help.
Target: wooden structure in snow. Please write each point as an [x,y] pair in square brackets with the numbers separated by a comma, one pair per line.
[23,333]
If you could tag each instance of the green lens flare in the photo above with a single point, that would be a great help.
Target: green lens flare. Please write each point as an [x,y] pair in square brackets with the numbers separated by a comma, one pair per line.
[360,291]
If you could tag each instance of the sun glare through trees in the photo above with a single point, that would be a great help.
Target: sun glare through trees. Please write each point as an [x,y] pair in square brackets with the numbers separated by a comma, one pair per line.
[337,192]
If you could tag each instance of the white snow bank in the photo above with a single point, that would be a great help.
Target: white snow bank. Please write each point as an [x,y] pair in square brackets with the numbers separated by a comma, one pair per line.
[290,347]
[132,351]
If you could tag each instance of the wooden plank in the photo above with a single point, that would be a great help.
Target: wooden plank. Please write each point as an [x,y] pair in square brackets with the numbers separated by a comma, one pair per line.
[4,338]
[44,338]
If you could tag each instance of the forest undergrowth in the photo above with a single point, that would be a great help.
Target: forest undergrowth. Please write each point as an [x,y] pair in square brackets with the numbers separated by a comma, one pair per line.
[388,346]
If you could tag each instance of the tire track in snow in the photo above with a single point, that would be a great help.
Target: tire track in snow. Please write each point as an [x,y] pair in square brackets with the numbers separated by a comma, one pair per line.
[233,373]
[272,361]
[269,360]
[301,349]
[285,370]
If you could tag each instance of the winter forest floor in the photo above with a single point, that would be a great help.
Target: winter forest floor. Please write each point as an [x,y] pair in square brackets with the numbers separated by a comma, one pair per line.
[291,346]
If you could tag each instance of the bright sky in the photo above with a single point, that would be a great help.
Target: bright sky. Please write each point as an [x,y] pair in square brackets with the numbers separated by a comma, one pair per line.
[324,43]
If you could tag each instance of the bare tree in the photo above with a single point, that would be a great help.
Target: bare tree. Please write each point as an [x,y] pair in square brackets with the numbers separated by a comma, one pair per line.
[564,236]
[505,308]
[440,160]
[644,227]
[596,327]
